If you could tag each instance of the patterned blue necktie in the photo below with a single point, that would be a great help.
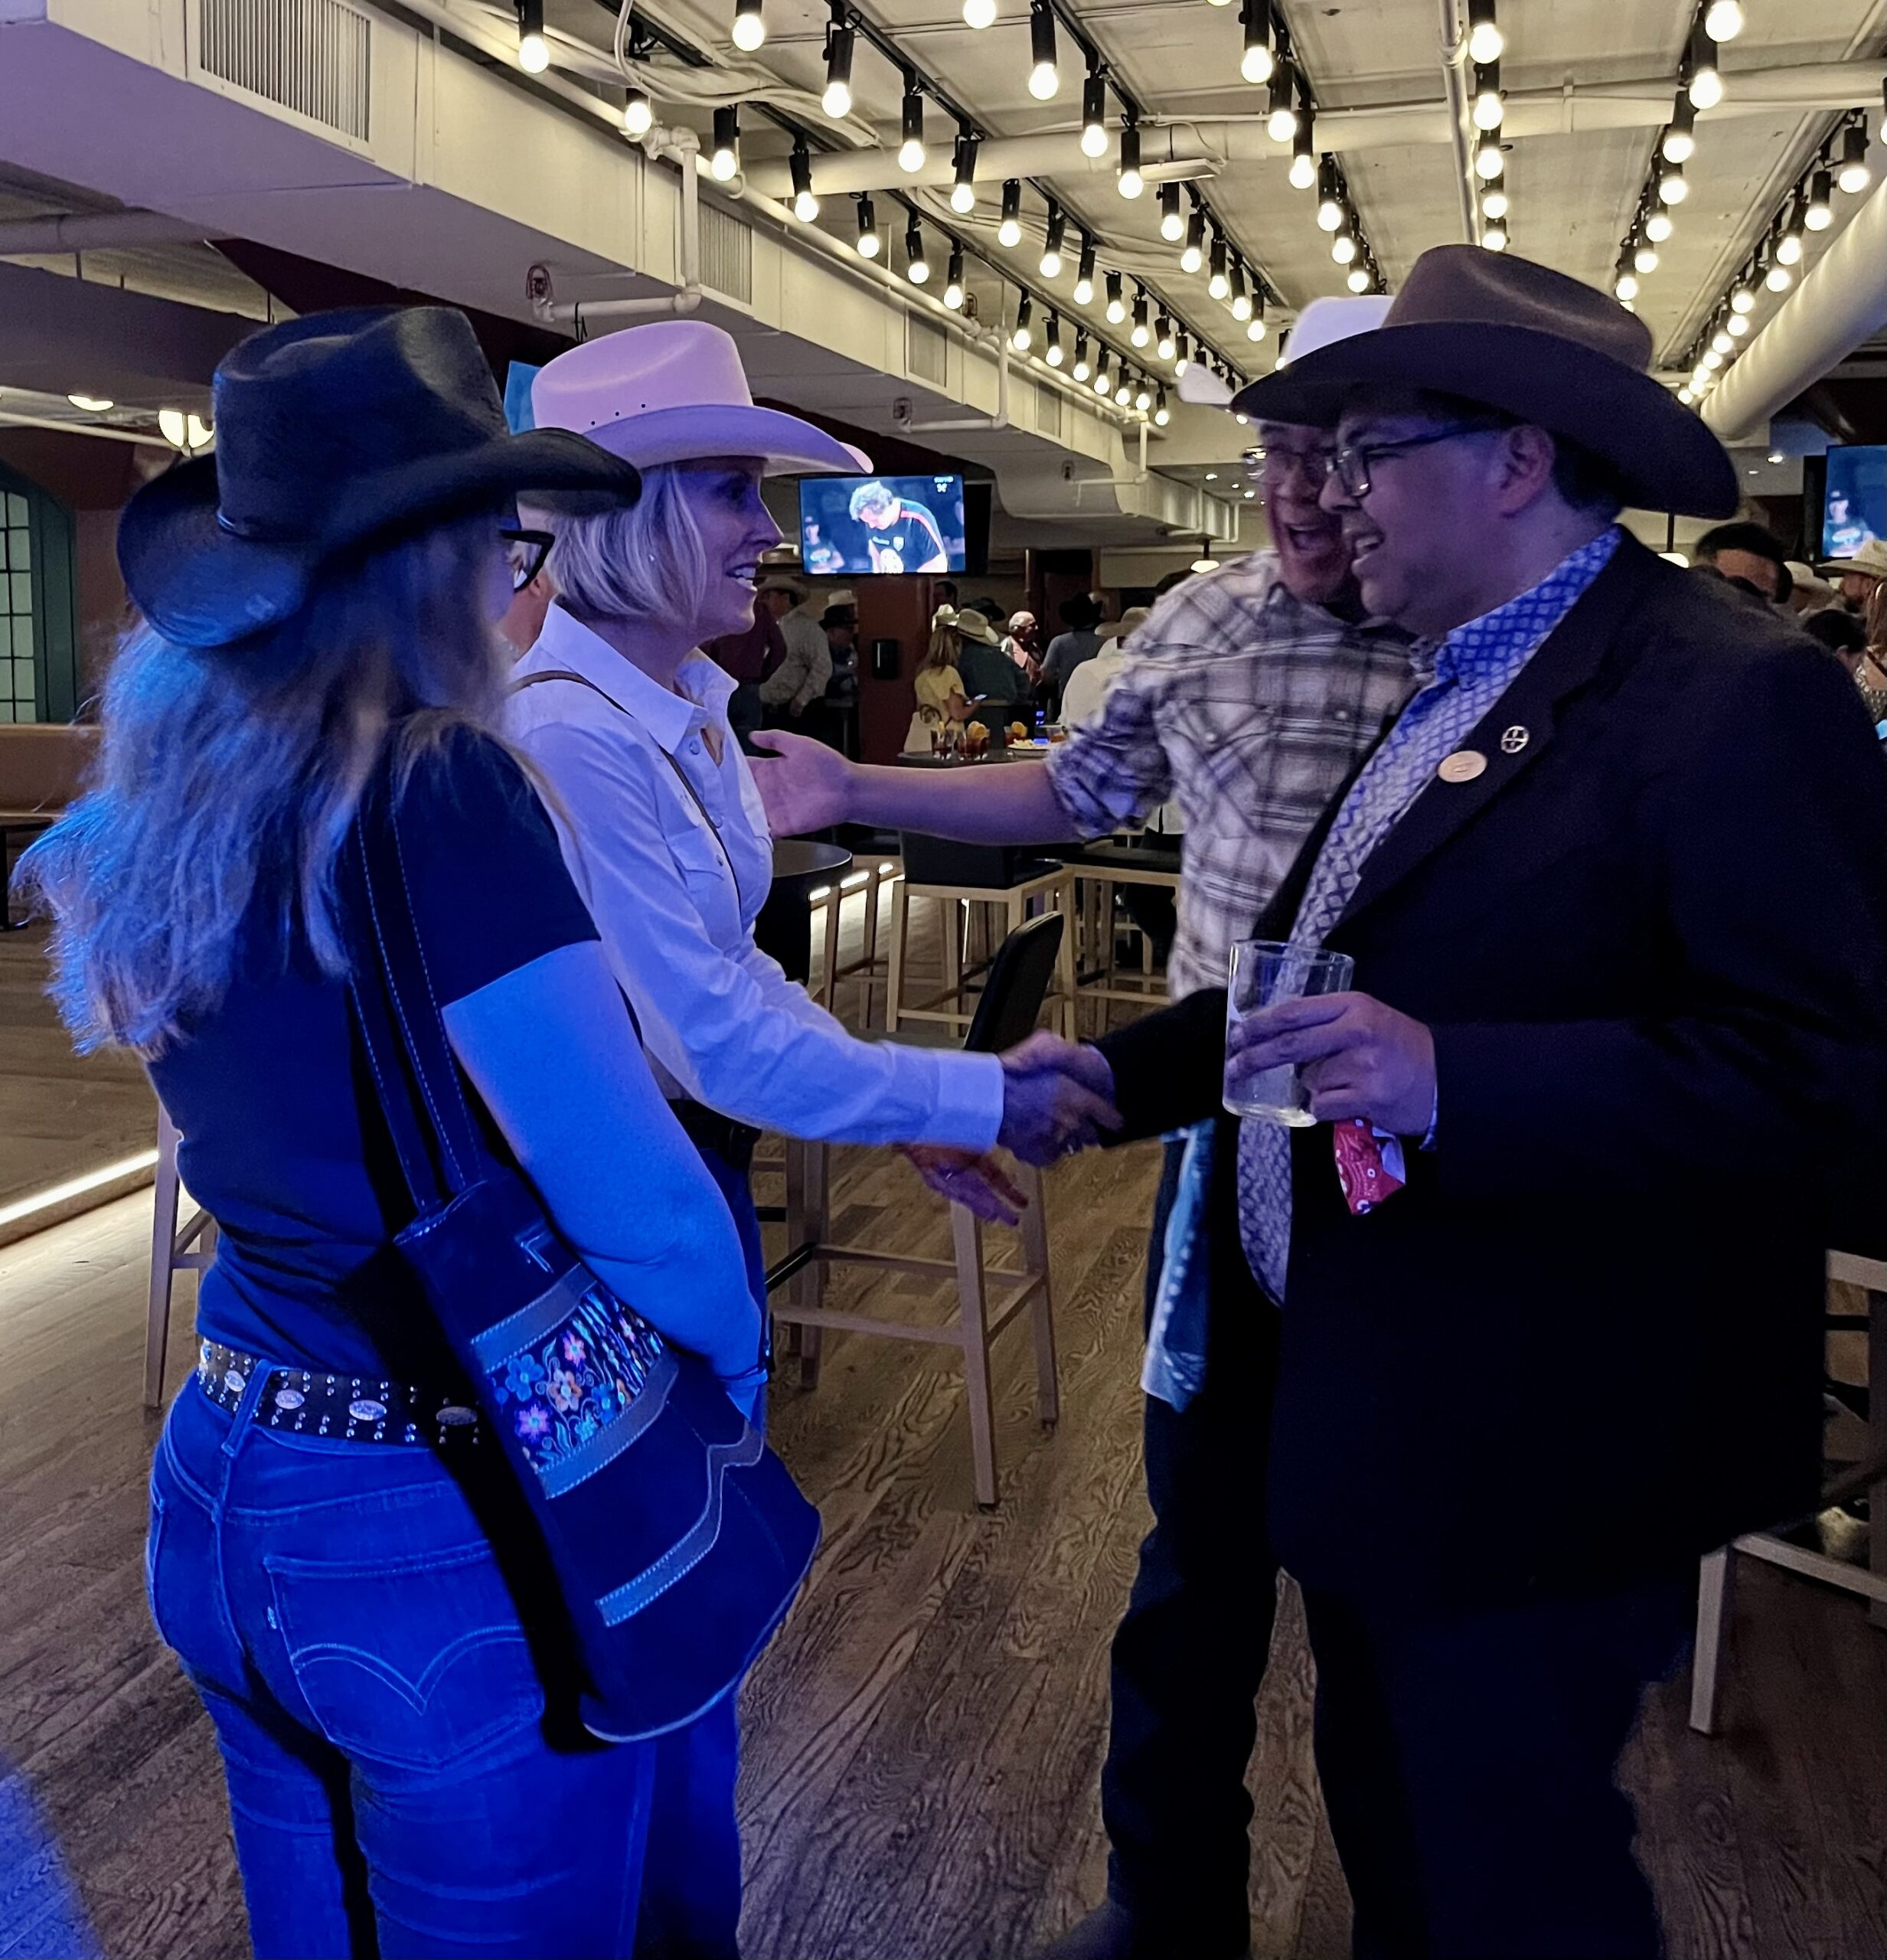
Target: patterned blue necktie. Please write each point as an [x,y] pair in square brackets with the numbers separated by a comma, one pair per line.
[1460,680]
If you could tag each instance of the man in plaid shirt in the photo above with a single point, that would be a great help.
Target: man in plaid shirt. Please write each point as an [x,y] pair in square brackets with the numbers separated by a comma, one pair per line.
[1248,698]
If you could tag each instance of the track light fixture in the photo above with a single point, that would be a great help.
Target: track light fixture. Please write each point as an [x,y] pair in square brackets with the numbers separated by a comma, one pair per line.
[1489,161]
[1103,381]
[1084,271]
[1329,203]
[638,113]
[868,239]
[1129,182]
[749,28]
[1680,138]
[534,51]
[1143,318]
[1489,107]
[1051,259]
[1241,299]
[1702,79]
[1021,337]
[1486,42]
[1854,173]
[1193,255]
[1218,286]
[1044,78]
[1162,338]
[1257,61]
[725,159]
[911,151]
[1009,230]
[1082,369]
[1281,124]
[1172,224]
[1673,187]
[953,279]
[916,266]
[1182,354]
[1162,414]
[1790,239]
[1743,295]
[1657,224]
[1116,304]
[1142,395]
[806,205]
[840,38]
[1494,199]
[1820,212]
[1304,148]
[963,190]
[1052,334]
[1343,247]
[1094,114]
[1123,389]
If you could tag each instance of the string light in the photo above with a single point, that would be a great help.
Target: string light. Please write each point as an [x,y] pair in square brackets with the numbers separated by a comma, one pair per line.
[837,101]
[638,113]
[1094,114]
[1051,259]
[725,159]
[912,154]
[963,191]
[1129,182]
[1486,43]
[1257,62]
[1084,272]
[916,266]
[1009,231]
[1020,338]
[953,280]
[868,240]
[750,28]
[806,205]
[1193,257]
[534,51]
[1044,78]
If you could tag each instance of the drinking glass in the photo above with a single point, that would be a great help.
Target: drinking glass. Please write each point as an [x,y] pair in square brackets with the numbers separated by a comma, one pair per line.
[1264,972]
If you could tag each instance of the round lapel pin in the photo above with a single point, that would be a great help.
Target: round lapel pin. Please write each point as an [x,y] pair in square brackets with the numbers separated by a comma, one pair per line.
[1514,740]
[1463,766]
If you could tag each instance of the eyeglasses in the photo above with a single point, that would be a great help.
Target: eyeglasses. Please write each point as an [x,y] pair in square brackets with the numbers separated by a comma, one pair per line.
[1352,462]
[526,550]
[1269,465]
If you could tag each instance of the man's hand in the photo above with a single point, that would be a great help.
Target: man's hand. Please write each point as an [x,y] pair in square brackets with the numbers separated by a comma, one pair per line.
[1357,1058]
[978,1184]
[1057,1098]
[804,786]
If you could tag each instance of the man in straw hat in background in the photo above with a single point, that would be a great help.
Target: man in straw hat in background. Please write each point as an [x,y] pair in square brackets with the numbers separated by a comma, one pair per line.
[1248,697]
[1550,1266]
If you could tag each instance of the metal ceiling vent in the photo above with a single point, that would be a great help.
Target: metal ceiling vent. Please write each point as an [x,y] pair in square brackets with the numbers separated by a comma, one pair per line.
[926,350]
[310,56]
[727,254]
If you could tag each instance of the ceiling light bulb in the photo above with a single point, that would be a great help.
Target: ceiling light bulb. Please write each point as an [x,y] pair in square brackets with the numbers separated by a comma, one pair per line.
[1486,42]
[1358,279]
[1779,277]
[1711,359]
[173,428]
[1489,108]
[1044,78]
[1142,330]
[1116,304]
[963,190]
[840,40]
[1163,341]
[1103,382]
[953,279]
[750,28]
[1819,214]
[1193,255]
[1658,226]
[1162,414]
[1680,140]
[1742,297]
[916,266]
[1673,187]
[1645,258]
[867,229]
[1183,359]
[963,197]
[1054,355]
[1123,392]
[1281,124]
[1020,338]
[1084,273]
[1082,369]
[1723,19]
[1172,223]
[1625,285]
[725,159]
[1051,258]
[1329,213]
[1855,174]
[979,13]
[1094,115]
[91,405]
[1241,306]
[1706,85]
[1130,181]
[1218,286]
[912,154]
[1720,342]
[805,204]
[1737,325]
[1493,200]
[837,101]
[1494,238]
[1009,232]
[1303,168]
[1343,248]
[534,51]
[1686,396]
[1788,246]
[638,113]
[1488,160]
[1143,397]
[1257,62]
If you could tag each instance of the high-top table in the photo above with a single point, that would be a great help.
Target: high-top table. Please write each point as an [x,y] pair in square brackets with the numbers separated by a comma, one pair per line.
[783,929]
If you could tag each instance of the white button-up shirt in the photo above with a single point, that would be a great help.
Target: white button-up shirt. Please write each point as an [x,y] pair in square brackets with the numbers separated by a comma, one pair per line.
[674,881]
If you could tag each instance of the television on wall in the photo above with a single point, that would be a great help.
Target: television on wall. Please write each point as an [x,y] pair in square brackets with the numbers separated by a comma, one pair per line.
[1854,498]
[853,526]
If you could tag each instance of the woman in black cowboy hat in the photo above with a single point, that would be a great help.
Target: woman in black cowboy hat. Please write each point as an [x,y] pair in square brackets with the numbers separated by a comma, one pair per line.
[317,606]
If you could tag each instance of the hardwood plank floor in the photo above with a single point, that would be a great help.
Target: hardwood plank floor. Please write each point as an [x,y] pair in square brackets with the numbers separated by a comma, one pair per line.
[923,1738]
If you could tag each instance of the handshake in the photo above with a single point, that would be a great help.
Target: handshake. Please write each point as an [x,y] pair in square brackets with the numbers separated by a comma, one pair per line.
[1058,1097]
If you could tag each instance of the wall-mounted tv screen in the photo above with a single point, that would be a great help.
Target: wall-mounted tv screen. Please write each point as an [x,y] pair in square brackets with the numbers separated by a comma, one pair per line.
[853,525]
[1854,507]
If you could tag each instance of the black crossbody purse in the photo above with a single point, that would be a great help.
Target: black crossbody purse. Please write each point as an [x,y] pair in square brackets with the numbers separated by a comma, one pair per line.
[678,1538]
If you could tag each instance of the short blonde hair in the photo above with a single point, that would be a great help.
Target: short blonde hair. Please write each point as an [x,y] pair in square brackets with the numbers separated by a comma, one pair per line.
[643,560]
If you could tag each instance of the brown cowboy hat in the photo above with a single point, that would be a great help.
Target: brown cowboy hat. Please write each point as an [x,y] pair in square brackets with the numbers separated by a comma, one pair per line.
[1501,331]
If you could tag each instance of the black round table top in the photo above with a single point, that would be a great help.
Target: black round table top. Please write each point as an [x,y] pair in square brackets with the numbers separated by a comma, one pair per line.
[796,862]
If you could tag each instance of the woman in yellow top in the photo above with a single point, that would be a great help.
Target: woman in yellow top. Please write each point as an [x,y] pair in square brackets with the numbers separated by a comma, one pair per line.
[938,686]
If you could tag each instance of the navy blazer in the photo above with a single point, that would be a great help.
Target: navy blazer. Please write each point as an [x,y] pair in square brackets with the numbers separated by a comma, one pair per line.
[1651,942]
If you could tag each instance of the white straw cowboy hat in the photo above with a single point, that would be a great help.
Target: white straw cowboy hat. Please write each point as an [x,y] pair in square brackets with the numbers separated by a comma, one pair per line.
[1134,617]
[675,391]
[1870,561]
[968,624]
[1321,324]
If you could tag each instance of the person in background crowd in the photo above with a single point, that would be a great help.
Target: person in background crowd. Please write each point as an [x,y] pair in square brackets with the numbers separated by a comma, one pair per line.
[660,824]
[1022,643]
[1749,553]
[1278,638]
[1077,642]
[801,678]
[941,697]
[748,655]
[330,1554]
[946,591]
[1874,623]
[1842,634]
[1808,592]
[1082,697]
[526,553]
[1856,579]
[839,622]
[991,681]
[1613,886]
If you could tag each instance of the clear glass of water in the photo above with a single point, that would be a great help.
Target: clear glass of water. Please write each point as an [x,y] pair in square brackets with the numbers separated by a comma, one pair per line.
[1264,972]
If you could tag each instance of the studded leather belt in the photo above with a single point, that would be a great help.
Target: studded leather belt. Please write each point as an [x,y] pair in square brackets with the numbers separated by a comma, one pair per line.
[349,1408]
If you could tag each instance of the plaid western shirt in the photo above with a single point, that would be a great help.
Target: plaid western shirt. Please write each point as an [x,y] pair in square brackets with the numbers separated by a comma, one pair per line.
[1249,708]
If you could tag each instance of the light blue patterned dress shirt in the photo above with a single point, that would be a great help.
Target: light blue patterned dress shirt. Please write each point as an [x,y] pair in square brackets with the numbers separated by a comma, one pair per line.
[1462,678]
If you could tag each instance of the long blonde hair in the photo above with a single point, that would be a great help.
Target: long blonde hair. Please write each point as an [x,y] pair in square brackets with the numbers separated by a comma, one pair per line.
[1874,617]
[945,645]
[228,779]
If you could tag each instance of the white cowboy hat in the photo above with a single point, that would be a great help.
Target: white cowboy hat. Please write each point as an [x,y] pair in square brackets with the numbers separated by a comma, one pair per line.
[968,624]
[783,582]
[1118,629]
[675,391]
[1322,322]
[1871,560]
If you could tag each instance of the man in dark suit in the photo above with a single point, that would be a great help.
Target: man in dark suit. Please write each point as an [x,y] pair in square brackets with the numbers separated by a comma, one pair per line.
[1615,885]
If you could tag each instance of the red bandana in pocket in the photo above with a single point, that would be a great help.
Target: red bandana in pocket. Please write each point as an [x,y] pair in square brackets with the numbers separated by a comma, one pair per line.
[1370,1165]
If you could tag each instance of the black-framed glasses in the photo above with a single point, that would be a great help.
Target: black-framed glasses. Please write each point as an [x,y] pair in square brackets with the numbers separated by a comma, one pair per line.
[1352,461]
[525,551]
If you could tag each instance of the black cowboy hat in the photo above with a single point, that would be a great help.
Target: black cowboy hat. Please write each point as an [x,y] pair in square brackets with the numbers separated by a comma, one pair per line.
[334,431]
[1502,332]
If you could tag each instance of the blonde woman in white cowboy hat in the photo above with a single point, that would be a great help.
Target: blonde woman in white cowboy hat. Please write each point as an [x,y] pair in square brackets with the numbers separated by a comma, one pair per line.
[662,826]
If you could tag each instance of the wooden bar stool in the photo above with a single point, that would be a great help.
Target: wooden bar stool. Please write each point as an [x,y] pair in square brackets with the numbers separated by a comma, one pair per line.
[867,884]
[1012,998]
[960,876]
[189,1250]
[1716,1582]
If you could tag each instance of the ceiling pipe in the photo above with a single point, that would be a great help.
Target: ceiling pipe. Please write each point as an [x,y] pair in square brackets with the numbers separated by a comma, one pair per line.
[98,231]
[1202,145]
[906,426]
[1454,78]
[683,149]
[1837,307]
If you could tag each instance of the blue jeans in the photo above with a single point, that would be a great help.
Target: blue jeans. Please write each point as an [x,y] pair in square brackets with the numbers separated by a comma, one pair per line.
[393,1787]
